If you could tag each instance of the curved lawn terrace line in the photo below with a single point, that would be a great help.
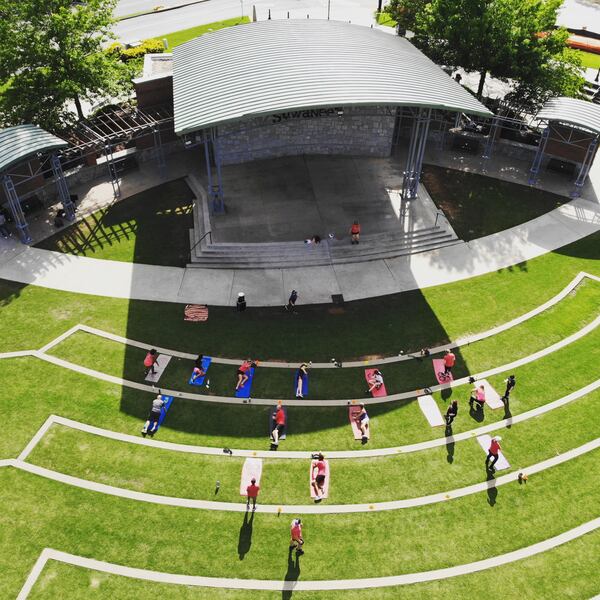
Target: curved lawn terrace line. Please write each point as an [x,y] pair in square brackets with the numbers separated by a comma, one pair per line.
[302,508]
[304,455]
[350,364]
[331,584]
[319,403]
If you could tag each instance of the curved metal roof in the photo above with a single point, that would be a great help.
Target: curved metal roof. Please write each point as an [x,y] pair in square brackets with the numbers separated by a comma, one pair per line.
[271,66]
[20,142]
[580,113]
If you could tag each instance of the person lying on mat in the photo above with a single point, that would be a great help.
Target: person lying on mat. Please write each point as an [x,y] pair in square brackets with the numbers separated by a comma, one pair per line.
[376,381]
[318,470]
[477,397]
[157,406]
[301,373]
[243,373]
[198,370]
[362,421]
[278,424]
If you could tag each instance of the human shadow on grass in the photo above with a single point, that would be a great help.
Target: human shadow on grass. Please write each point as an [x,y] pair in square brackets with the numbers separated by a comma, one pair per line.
[492,490]
[245,539]
[477,414]
[292,575]
[449,444]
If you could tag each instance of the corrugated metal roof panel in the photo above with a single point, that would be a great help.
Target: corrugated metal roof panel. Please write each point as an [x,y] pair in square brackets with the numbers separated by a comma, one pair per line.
[20,142]
[580,113]
[273,66]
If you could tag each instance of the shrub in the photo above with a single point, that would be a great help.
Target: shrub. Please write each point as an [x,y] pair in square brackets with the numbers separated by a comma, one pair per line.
[150,46]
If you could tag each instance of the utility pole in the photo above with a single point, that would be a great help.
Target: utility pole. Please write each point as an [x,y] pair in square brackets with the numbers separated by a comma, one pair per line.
[328,9]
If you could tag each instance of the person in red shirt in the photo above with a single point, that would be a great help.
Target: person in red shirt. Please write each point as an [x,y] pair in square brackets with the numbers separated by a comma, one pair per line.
[279,424]
[493,453]
[297,540]
[252,493]
[355,233]
[150,360]
[319,469]
[449,360]
[243,373]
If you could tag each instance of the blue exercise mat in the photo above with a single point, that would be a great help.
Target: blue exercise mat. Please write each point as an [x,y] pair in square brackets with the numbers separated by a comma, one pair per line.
[304,383]
[163,413]
[206,360]
[244,391]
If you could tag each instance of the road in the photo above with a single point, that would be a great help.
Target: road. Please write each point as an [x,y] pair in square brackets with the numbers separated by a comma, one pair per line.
[154,25]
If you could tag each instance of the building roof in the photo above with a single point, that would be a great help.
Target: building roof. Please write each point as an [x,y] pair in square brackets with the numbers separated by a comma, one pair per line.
[271,66]
[20,142]
[580,113]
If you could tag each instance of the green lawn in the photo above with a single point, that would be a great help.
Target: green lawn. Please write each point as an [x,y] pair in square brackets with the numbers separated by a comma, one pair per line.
[384,18]
[589,60]
[535,334]
[569,571]
[176,38]
[41,513]
[33,316]
[286,481]
[477,206]
[134,229]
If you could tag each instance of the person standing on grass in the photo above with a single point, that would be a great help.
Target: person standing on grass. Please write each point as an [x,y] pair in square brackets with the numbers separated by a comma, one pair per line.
[449,362]
[297,540]
[355,233]
[301,373]
[151,360]
[291,305]
[252,493]
[318,470]
[477,397]
[278,424]
[510,384]
[451,412]
[157,406]
[493,453]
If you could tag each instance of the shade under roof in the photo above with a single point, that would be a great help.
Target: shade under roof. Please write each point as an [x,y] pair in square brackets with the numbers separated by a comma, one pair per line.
[20,142]
[271,66]
[580,113]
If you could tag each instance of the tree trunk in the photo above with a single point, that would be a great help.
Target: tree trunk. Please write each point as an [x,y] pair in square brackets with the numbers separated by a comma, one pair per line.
[481,83]
[78,107]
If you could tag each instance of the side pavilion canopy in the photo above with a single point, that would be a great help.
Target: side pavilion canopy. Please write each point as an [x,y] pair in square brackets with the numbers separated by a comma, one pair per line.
[20,142]
[578,113]
[272,66]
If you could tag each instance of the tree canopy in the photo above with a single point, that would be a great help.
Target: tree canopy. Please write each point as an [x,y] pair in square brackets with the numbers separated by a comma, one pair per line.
[508,39]
[51,53]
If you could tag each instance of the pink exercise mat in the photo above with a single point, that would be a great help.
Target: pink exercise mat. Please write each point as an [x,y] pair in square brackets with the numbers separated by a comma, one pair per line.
[376,393]
[325,485]
[252,468]
[353,411]
[438,367]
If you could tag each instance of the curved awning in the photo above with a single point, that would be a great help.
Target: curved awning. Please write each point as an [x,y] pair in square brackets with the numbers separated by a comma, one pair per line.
[272,66]
[571,111]
[20,142]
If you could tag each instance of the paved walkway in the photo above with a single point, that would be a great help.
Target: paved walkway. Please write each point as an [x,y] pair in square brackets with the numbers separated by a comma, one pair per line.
[331,584]
[270,287]
[320,509]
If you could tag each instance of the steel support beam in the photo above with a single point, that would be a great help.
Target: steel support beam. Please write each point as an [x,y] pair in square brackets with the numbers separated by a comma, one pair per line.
[63,189]
[112,171]
[539,155]
[16,210]
[159,152]
[416,151]
[585,168]
[491,138]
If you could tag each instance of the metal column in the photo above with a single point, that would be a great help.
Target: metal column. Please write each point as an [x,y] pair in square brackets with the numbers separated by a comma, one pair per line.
[61,186]
[112,171]
[16,209]
[491,139]
[539,155]
[159,152]
[416,151]
[212,154]
[585,168]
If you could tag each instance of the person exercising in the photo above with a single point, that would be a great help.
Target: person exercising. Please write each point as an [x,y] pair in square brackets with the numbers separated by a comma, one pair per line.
[376,381]
[157,405]
[243,373]
[318,470]
[198,369]
[362,422]
[297,540]
[278,423]
[301,375]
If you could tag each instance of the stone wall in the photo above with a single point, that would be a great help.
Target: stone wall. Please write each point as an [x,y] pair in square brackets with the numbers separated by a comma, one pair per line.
[342,131]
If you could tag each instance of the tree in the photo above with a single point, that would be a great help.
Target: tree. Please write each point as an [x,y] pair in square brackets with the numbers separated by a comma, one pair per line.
[51,52]
[507,39]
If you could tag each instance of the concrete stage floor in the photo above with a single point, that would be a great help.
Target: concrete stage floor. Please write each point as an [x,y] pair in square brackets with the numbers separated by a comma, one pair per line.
[294,198]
